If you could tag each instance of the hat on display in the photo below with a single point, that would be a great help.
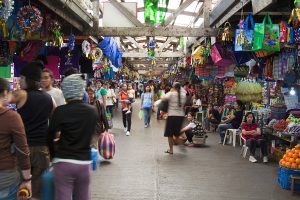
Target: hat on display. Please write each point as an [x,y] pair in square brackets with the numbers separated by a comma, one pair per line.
[73,87]
[33,71]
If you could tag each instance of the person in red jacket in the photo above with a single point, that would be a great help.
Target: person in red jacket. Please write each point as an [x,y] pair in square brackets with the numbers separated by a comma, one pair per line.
[251,132]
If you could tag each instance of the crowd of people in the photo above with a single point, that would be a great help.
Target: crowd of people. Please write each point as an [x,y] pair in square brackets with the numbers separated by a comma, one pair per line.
[61,125]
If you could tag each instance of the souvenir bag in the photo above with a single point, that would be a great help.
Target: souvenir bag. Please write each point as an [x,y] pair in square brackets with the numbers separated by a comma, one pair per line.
[221,56]
[294,21]
[106,145]
[266,36]
[283,32]
[244,35]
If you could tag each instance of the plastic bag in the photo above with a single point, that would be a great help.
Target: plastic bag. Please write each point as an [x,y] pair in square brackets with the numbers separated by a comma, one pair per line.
[141,114]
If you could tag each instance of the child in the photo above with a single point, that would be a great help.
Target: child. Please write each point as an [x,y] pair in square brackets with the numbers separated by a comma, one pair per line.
[131,97]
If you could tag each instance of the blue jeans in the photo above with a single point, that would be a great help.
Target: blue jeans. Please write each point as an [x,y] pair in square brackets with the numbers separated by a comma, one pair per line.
[8,191]
[147,115]
[222,128]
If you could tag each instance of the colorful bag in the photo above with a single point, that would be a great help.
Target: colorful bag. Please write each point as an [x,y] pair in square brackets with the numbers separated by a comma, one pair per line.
[266,36]
[221,56]
[109,120]
[283,32]
[244,37]
[106,145]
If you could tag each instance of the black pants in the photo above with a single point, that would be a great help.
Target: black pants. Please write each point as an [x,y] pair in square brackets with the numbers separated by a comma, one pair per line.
[109,109]
[253,143]
[189,136]
[127,118]
[158,113]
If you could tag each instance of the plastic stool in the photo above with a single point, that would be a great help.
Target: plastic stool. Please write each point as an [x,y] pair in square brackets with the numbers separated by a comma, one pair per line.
[232,134]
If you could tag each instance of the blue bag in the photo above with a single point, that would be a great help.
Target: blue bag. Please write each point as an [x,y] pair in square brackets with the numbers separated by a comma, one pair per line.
[244,37]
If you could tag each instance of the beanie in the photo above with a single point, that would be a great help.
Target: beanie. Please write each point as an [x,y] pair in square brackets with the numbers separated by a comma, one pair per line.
[73,87]
[33,71]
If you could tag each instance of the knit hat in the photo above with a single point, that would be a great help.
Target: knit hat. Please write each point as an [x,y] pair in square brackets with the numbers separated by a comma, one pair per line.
[73,87]
[33,71]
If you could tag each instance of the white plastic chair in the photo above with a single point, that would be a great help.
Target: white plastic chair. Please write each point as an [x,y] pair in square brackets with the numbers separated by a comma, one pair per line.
[232,133]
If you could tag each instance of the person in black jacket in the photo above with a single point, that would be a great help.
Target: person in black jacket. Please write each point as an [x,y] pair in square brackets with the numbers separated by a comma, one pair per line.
[76,122]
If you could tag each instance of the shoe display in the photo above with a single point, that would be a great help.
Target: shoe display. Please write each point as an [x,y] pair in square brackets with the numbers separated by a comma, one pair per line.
[127,133]
[252,159]
[265,159]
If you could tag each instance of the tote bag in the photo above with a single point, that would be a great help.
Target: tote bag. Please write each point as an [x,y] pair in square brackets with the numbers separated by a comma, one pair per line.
[106,145]
[266,36]
[244,37]
[221,56]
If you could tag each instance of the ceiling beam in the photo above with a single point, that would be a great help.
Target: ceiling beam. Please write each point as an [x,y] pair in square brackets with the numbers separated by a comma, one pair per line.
[172,11]
[153,31]
[144,54]
[133,41]
[206,10]
[236,8]
[220,10]
[180,9]
[164,45]
[126,13]
[265,13]
[145,62]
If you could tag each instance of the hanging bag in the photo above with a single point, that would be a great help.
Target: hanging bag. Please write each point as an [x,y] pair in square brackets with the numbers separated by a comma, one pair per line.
[266,35]
[221,56]
[244,35]
[106,145]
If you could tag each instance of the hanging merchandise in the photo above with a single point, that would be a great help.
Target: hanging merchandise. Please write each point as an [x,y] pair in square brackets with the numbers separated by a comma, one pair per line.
[30,20]
[86,48]
[226,34]
[294,21]
[71,42]
[221,55]
[249,91]
[57,35]
[5,12]
[241,71]
[266,35]
[286,33]
[244,35]
[151,9]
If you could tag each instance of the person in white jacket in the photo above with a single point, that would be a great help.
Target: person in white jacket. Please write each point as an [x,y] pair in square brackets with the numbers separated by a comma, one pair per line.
[110,98]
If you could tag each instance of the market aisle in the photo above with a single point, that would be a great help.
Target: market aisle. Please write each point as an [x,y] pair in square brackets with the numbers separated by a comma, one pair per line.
[141,170]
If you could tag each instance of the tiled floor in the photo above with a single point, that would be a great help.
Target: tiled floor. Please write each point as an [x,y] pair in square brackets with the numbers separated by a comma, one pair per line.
[141,170]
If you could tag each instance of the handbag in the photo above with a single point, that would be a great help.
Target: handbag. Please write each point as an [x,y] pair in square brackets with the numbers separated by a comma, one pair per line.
[221,56]
[244,36]
[106,145]
[266,35]
[164,106]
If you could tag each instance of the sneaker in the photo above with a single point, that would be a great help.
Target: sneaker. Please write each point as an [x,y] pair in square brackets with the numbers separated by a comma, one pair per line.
[127,133]
[128,112]
[146,126]
[125,109]
[265,159]
[220,142]
[125,130]
[252,159]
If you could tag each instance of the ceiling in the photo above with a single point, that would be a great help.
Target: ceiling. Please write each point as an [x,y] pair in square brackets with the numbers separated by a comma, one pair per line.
[191,16]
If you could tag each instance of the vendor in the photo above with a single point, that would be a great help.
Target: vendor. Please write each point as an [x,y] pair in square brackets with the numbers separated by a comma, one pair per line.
[232,121]
[252,135]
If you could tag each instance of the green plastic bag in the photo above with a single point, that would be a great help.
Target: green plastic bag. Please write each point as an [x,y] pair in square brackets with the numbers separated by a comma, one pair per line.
[266,36]
[141,114]
[5,71]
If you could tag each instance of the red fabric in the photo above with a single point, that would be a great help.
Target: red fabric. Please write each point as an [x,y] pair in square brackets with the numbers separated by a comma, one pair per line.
[106,145]
[250,127]
[123,96]
[53,62]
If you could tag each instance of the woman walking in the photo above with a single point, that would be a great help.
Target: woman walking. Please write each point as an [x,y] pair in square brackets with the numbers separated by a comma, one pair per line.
[77,123]
[147,105]
[110,98]
[176,98]
[12,137]
[123,96]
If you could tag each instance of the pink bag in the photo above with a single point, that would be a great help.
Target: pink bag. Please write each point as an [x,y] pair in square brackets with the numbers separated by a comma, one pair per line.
[106,145]
[221,56]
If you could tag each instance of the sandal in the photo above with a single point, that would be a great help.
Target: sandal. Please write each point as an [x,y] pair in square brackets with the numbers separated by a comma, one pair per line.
[169,152]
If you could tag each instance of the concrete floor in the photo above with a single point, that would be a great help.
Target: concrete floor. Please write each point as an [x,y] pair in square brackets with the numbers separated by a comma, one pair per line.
[141,170]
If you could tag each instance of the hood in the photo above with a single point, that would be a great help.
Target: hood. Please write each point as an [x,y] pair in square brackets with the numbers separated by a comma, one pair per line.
[3,110]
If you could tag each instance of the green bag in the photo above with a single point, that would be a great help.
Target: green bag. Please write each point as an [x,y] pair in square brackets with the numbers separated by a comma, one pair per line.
[5,71]
[141,114]
[266,36]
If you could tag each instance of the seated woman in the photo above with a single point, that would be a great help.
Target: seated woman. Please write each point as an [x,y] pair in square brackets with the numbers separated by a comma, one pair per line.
[186,132]
[232,121]
[251,132]
[212,116]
